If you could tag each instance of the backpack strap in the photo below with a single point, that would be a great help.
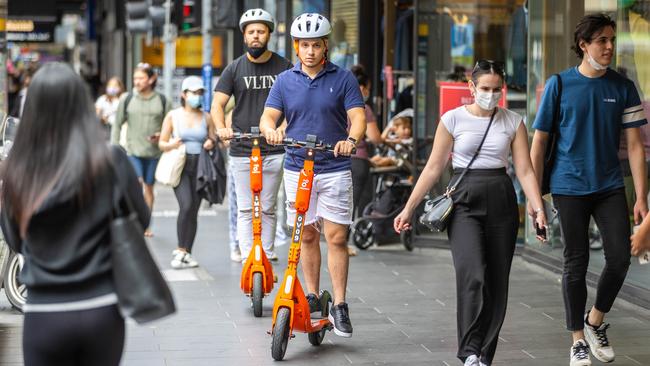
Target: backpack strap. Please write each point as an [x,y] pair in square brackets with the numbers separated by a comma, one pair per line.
[129,96]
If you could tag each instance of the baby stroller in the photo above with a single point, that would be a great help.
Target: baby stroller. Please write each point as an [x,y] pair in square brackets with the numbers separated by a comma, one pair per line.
[394,185]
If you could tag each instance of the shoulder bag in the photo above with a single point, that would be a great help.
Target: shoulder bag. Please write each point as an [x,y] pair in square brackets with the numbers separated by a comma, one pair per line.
[171,163]
[437,211]
[142,293]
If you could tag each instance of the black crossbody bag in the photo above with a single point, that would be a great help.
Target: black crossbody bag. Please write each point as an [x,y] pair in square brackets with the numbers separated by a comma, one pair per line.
[437,211]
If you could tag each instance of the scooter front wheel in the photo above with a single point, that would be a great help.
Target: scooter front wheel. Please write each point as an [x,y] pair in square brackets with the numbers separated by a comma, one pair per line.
[281,332]
[16,292]
[258,294]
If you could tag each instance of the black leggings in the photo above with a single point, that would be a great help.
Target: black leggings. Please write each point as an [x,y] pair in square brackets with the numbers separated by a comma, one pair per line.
[189,203]
[609,210]
[86,337]
[482,234]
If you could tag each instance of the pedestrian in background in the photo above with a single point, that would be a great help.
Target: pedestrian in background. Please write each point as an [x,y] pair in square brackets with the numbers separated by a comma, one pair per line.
[143,109]
[25,80]
[361,180]
[188,125]
[57,200]
[483,227]
[596,106]
[106,104]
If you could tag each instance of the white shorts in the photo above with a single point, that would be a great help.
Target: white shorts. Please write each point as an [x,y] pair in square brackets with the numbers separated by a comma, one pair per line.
[331,197]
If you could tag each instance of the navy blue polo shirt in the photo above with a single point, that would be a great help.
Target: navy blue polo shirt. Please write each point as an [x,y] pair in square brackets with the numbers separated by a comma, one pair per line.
[316,107]
[593,112]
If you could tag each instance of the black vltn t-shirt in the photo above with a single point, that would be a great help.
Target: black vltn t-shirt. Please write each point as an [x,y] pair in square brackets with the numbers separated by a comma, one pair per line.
[250,83]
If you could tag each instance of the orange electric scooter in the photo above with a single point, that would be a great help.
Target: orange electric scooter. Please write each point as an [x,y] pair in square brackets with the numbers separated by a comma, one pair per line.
[257,272]
[291,309]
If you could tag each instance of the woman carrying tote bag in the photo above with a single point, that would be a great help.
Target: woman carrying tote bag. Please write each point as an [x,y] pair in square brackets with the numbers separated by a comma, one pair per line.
[57,193]
[192,128]
[482,228]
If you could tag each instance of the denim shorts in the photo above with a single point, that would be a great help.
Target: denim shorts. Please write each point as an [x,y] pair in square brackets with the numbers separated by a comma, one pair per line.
[145,168]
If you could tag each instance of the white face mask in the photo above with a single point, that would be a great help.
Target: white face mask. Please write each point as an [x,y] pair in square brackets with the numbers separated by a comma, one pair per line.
[595,63]
[487,100]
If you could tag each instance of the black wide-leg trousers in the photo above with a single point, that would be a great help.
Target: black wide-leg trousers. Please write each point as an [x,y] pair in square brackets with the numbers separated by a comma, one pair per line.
[482,233]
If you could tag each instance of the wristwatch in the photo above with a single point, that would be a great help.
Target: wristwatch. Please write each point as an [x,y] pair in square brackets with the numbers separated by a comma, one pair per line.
[352,140]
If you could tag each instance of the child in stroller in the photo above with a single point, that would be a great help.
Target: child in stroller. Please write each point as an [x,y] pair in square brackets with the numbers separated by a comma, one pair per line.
[392,171]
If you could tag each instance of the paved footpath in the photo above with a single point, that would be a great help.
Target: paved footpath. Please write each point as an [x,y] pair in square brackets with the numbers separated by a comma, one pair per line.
[402,306]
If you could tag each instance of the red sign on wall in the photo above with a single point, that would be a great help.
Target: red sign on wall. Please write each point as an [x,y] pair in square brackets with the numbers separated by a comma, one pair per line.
[453,95]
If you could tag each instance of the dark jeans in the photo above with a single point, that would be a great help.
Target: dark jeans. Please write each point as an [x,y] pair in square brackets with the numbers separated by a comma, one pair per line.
[361,185]
[189,203]
[85,337]
[482,234]
[609,210]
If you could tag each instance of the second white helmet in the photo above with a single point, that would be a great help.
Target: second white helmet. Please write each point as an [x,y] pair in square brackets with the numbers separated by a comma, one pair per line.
[256,16]
[310,25]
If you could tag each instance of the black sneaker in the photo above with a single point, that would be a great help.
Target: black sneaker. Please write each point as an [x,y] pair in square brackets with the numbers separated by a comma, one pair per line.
[314,305]
[340,317]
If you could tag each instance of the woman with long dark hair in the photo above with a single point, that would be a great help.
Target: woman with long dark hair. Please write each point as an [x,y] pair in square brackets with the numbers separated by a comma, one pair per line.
[59,184]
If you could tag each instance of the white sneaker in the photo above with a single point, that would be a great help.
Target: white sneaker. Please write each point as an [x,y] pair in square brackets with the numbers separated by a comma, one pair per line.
[482,364]
[273,257]
[472,361]
[177,259]
[579,354]
[598,342]
[235,256]
[189,261]
[182,259]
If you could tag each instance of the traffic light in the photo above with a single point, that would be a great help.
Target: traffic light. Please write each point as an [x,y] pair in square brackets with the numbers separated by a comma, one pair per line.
[157,16]
[144,16]
[137,16]
[189,18]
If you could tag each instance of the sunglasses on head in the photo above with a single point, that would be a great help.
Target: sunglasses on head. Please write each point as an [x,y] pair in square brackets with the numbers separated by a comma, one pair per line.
[497,66]
[143,65]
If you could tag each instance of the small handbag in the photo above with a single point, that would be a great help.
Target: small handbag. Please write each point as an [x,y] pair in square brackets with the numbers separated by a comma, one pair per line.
[142,293]
[171,164]
[437,211]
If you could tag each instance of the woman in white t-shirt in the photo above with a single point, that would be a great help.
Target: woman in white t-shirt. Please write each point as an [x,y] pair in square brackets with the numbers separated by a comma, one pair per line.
[483,228]
[106,104]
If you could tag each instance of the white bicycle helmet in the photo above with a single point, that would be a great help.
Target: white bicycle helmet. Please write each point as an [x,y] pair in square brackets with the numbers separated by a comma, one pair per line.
[256,16]
[310,25]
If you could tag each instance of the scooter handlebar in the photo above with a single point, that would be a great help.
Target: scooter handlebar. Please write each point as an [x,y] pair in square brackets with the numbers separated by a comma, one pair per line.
[319,145]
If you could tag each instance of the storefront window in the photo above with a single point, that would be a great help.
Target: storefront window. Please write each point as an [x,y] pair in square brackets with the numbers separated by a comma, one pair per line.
[344,17]
[552,25]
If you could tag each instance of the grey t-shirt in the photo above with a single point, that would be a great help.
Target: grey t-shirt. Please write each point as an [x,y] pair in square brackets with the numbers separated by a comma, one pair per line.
[468,130]
[250,83]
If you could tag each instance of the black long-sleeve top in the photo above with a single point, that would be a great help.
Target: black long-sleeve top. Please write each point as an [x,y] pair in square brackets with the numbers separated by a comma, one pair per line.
[67,246]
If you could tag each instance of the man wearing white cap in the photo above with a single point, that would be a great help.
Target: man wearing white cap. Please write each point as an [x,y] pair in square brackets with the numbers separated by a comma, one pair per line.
[249,79]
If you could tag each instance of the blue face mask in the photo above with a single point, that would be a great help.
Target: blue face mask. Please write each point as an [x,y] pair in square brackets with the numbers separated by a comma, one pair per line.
[194,101]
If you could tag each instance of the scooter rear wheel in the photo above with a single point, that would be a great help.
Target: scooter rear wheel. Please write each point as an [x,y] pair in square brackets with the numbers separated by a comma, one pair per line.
[258,294]
[281,334]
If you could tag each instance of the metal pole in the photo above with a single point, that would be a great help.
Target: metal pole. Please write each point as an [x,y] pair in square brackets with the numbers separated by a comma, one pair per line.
[206,27]
[169,39]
